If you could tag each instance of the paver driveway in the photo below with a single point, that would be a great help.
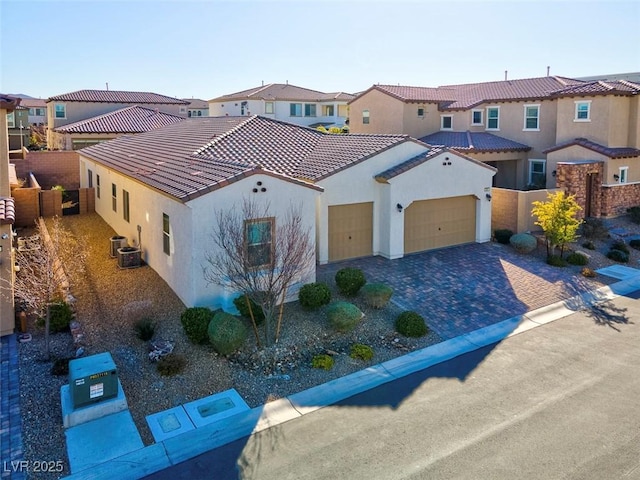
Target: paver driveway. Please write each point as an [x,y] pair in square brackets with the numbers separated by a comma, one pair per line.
[463,288]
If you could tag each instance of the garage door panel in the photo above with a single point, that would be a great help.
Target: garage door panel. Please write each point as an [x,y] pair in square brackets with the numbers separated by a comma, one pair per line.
[442,222]
[350,231]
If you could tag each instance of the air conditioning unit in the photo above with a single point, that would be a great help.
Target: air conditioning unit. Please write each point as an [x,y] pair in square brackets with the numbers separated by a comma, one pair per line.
[129,257]
[117,241]
[92,379]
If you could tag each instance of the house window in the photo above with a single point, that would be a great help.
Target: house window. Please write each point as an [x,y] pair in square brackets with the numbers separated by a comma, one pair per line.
[421,112]
[125,205]
[114,197]
[98,186]
[493,118]
[259,241]
[90,178]
[11,120]
[531,117]
[40,112]
[295,109]
[199,113]
[268,107]
[328,110]
[189,113]
[61,110]
[365,117]
[538,173]
[476,117]
[446,122]
[166,234]
[624,175]
[309,109]
[583,111]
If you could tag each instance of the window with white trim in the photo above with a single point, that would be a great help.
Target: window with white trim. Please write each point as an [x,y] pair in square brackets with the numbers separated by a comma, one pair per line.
[258,238]
[538,173]
[89,178]
[125,205]
[309,109]
[114,197]
[446,122]
[623,175]
[476,117]
[11,120]
[493,118]
[166,234]
[420,112]
[268,107]
[98,186]
[60,110]
[531,117]
[583,111]
[365,117]
[328,110]
[295,109]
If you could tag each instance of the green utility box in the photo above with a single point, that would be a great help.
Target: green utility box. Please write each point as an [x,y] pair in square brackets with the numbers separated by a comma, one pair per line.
[92,379]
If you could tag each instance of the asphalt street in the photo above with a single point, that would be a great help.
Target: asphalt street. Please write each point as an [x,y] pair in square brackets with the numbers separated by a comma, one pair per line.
[561,401]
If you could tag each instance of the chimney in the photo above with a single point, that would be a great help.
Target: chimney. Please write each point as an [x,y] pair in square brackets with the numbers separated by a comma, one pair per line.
[505,75]
[263,83]
[548,69]
[107,86]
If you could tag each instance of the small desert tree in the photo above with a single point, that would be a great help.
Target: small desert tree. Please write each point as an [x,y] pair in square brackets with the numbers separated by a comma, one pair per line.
[558,219]
[48,263]
[260,256]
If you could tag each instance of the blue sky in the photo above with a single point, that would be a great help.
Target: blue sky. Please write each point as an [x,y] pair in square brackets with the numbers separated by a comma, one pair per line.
[210,48]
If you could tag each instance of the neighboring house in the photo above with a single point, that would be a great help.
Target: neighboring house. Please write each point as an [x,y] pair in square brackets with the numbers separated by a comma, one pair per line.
[197,107]
[84,104]
[37,110]
[360,195]
[613,77]
[282,101]
[128,120]
[8,105]
[18,128]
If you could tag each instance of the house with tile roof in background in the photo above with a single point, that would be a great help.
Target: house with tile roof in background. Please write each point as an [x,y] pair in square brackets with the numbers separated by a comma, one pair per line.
[83,105]
[37,110]
[359,195]
[18,128]
[197,107]
[518,126]
[286,102]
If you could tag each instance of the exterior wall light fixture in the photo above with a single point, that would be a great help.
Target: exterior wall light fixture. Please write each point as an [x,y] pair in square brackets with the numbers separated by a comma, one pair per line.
[399,207]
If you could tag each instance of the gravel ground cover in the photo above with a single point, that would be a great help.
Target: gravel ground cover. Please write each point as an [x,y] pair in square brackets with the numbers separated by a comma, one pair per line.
[110,300]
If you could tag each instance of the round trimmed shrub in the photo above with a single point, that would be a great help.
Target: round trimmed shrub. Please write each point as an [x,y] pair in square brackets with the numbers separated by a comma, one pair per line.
[577,258]
[411,324]
[350,280]
[314,295]
[344,316]
[226,333]
[620,245]
[171,364]
[618,256]
[376,295]
[60,315]
[556,261]
[322,361]
[361,352]
[502,235]
[241,304]
[195,321]
[523,242]
[589,245]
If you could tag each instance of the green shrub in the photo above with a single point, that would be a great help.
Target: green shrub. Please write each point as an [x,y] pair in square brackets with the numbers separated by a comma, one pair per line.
[589,245]
[377,295]
[502,235]
[635,243]
[60,315]
[620,245]
[361,352]
[634,214]
[144,328]
[171,364]
[322,361]
[314,295]
[618,256]
[523,242]
[195,321]
[241,304]
[594,229]
[226,333]
[411,324]
[344,316]
[577,258]
[350,280]
[556,261]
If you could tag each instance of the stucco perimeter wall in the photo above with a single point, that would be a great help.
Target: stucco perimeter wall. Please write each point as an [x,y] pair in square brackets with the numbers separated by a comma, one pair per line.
[51,168]
[511,209]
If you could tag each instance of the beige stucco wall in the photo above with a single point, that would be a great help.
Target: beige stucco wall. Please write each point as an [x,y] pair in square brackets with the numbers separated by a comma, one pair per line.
[634,122]
[417,126]
[511,209]
[7,317]
[386,114]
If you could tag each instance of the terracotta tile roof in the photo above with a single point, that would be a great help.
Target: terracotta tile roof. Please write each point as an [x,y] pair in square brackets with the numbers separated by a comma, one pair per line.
[134,119]
[8,102]
[611,152]
[115,96]
[283,91]
[474,142]
[417,94]
[621,87]
[33,103]
[7,211]
[433,152]
[196,103]
[196,156]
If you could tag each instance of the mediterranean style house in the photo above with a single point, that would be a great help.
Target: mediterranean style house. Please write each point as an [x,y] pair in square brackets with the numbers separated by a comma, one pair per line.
[360,195]
[18,125]
[534,131]
[282,101]
[83,105]
[197,107]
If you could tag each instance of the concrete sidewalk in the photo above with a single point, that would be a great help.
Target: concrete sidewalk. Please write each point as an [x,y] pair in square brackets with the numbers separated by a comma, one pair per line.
[175,450]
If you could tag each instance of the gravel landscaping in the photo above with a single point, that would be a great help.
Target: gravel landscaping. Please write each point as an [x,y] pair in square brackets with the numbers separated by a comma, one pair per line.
[110,301]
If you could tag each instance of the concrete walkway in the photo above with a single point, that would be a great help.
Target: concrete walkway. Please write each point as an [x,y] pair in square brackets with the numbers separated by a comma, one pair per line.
[10,420]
